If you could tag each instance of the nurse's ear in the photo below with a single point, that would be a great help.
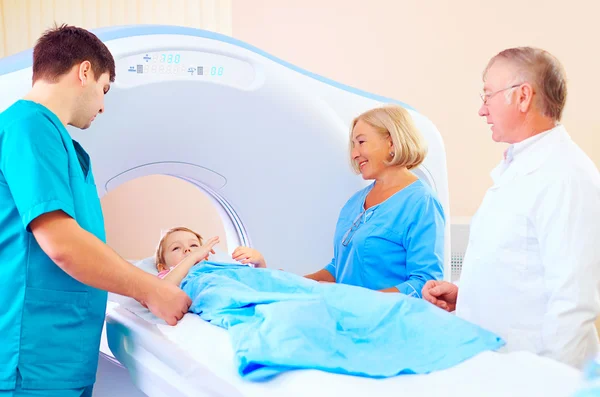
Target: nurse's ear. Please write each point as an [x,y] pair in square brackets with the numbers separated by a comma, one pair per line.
[85,72]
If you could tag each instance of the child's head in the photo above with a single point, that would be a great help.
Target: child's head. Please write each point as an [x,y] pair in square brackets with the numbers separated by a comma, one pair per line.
[175,245]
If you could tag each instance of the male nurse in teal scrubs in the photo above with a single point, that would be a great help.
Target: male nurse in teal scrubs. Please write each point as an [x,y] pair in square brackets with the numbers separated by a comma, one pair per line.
[55,268]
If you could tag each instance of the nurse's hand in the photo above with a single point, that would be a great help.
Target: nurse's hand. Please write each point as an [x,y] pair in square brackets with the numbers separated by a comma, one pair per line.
[441,293]
[168,302]
[247,255]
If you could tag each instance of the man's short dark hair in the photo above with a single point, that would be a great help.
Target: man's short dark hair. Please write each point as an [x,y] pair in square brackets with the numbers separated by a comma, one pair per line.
[62,47]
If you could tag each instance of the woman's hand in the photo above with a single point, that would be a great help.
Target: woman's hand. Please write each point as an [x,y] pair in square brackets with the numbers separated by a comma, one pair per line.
[247,255]
[322,276]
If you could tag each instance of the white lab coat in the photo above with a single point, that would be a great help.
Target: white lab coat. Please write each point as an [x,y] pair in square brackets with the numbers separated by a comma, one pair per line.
[531,272]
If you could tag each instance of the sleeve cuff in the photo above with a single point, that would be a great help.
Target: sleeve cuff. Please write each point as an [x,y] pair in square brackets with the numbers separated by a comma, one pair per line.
[44,208]
[410,288]
[330,268]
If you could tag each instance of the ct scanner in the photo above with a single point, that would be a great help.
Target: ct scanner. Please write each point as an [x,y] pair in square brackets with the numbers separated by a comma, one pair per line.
[267,141]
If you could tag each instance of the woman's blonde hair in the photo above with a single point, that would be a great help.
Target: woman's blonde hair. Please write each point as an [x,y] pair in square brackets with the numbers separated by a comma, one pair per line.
[409,146]
[159,256]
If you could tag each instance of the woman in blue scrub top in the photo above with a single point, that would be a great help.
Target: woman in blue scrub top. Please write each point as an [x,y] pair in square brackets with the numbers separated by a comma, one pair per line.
[389,235]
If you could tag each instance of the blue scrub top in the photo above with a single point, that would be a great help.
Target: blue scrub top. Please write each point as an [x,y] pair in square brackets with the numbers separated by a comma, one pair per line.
[397,243]
[50,323]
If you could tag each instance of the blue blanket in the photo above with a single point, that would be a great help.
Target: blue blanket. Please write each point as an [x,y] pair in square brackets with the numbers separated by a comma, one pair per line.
[278,321]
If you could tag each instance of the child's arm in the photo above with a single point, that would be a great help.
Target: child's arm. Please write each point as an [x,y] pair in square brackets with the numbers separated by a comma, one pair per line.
[178,273]
[247,255]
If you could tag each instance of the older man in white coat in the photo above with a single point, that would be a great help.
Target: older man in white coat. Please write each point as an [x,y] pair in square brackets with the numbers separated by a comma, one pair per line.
[531,272]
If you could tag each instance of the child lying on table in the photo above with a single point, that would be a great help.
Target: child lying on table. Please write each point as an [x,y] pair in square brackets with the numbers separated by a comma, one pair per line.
[181,248]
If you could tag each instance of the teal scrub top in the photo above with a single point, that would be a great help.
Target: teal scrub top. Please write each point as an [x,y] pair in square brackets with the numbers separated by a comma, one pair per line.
[50,323]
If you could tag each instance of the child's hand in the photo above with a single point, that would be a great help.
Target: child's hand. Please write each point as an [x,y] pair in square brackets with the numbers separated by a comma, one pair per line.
[204,251]
[247,255]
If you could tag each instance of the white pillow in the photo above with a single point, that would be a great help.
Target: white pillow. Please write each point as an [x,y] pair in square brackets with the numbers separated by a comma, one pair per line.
[222,256]
[146,264]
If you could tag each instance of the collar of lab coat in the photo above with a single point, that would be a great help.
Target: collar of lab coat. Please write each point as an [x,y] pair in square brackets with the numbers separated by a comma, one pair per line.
[527,156]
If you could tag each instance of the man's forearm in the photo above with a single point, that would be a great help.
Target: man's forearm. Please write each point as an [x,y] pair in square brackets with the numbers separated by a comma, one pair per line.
[87,259]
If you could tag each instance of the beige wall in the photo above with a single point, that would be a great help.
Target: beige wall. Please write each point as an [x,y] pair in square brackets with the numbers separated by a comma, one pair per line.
[430,54]
[22,21]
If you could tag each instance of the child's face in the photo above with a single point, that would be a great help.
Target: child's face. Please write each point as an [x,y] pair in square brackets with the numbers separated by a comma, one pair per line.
[177,246]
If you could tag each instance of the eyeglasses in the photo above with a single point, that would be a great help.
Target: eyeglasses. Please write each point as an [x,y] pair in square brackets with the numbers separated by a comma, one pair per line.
[485,97]
[363,217]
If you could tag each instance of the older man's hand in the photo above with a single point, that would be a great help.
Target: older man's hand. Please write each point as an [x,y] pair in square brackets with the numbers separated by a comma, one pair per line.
[440,293]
